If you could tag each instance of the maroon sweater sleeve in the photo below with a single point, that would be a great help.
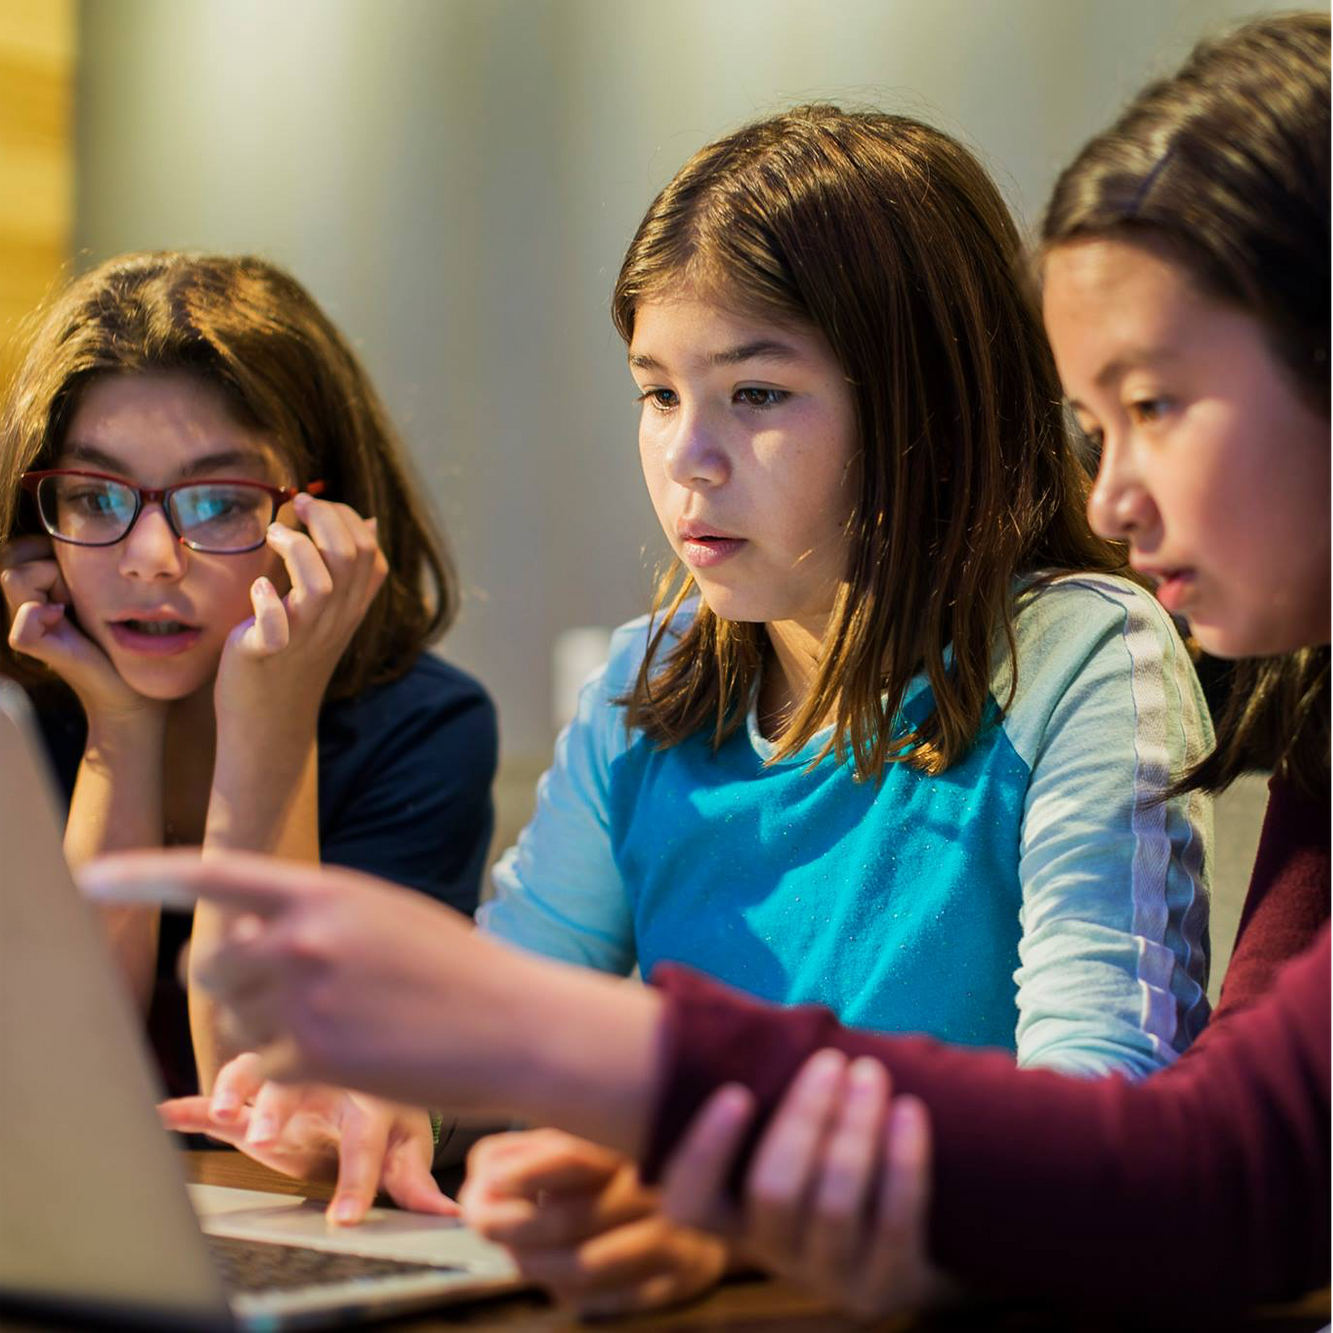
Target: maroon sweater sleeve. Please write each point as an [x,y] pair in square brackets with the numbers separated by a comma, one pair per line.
[1288,896]
[1206,1185]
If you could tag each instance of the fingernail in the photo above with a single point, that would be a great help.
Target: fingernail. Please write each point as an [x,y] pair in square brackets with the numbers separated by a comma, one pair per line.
[863,1077]
[343,1211]
[261,1129]
[262,586]
[225,1103]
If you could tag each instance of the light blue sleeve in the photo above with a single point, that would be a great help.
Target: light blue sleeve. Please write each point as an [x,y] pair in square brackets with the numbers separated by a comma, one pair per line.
[1108,711]
[558,891]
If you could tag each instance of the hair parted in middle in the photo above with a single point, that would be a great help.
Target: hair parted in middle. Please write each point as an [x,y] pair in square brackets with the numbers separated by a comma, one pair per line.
[251,331]
[889,238]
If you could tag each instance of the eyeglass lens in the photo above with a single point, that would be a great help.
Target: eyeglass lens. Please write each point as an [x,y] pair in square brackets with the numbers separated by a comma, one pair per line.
[214,516]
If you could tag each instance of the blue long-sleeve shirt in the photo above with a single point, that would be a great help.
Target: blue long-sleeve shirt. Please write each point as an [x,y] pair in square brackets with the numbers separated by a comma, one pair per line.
[1031,897]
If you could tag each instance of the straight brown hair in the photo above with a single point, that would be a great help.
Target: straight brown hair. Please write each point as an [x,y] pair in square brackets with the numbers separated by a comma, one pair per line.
[1225,167]
[253,332]
[889,238]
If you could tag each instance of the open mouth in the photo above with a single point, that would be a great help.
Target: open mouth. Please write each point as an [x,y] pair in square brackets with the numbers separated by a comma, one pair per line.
[159,628]
[162,637]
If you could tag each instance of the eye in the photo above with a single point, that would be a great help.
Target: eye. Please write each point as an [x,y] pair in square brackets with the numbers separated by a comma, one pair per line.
[1144,411]
[753,396]
[661,400]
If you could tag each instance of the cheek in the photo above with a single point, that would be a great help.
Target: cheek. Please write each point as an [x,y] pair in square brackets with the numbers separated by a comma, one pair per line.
[223,592]
[83,578]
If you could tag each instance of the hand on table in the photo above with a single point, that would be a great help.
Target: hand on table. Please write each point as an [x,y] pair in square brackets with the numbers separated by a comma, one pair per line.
[313,1132]
[579,1222]
[838,1191]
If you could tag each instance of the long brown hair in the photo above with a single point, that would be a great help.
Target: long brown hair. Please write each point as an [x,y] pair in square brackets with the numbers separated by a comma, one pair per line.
[889,238]
[253,332]
[1226,166]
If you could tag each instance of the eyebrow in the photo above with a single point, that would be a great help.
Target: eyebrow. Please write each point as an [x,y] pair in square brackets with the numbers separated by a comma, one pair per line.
[222,458]
[765,349]
[1136,356]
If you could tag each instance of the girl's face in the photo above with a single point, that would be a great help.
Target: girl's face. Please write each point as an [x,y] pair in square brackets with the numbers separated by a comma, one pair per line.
[1213,467]
[747,436]
[156,429]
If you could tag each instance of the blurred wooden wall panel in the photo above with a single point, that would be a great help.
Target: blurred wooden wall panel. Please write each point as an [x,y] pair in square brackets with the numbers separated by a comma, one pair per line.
[37,52]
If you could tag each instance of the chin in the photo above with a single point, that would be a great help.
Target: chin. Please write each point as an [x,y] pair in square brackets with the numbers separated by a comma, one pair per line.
[161,686]
[1235,641]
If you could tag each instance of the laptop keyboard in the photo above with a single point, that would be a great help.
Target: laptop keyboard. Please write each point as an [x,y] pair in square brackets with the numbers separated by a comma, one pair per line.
[249,1265]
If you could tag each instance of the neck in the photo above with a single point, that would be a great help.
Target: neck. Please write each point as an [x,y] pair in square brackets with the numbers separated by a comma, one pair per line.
[795,664]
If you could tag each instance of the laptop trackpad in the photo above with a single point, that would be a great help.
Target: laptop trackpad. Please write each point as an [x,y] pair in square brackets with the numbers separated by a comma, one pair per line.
[386,1233]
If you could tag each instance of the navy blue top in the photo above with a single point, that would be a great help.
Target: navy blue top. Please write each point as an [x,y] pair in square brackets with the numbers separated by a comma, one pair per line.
[405,772]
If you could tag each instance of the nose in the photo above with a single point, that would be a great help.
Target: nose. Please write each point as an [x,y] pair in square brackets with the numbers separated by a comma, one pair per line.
[694,455]
[1119,505]
[150,550]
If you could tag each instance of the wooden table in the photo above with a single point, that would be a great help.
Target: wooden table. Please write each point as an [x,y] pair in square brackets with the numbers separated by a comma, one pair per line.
[755,1305]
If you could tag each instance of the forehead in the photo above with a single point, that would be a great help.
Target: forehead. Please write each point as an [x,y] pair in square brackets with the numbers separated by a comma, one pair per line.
[1100,297]
[692,330]
[160,424]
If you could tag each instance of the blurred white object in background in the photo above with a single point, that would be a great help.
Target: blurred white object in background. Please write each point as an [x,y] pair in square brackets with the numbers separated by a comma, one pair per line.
[576,654]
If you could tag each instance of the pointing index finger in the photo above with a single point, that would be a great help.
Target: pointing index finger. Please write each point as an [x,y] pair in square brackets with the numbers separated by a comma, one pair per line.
[176,880]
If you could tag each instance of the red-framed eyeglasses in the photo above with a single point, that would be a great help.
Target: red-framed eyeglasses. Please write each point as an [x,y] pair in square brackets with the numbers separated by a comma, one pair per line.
[215,516]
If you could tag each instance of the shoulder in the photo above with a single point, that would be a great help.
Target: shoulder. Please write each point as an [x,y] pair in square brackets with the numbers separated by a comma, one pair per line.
[630,644]
[1087,606]
[1102,650]
[1062,622]
[430,697]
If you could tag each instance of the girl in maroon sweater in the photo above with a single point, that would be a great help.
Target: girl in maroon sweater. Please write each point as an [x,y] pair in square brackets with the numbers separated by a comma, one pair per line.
[1186,292]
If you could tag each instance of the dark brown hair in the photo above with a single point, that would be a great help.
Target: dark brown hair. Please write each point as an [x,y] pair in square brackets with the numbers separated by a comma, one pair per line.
[889,238]
[253,332]
[1225,167]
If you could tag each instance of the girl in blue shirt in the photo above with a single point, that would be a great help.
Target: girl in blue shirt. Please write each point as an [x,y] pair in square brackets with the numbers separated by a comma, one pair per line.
[897,735]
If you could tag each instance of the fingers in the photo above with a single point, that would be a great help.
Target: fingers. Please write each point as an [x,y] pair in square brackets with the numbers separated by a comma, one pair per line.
[187,1115]
[407,1179]
[24,550]
[646,1262]
[32,625]
[694,1184]
[33,580]
[341,552]
[270,630]
[310,577]
[905,1193]
[545,1188]
[784,1164]
[836,1230]
[179,877]
[274,1105]
[361,1153]
[237,1082]
[348,543]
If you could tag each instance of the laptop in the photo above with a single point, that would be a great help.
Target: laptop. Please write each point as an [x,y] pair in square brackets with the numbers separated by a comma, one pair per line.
[96,1218]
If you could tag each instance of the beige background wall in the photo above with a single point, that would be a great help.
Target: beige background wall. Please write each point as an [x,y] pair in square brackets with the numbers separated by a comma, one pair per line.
[37,45]
[456,181]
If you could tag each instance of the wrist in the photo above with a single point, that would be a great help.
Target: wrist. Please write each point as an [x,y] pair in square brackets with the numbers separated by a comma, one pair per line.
[594,1051]
[136,733]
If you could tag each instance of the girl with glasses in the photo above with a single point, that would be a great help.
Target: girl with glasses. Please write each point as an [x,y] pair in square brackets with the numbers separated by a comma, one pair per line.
[220,584]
